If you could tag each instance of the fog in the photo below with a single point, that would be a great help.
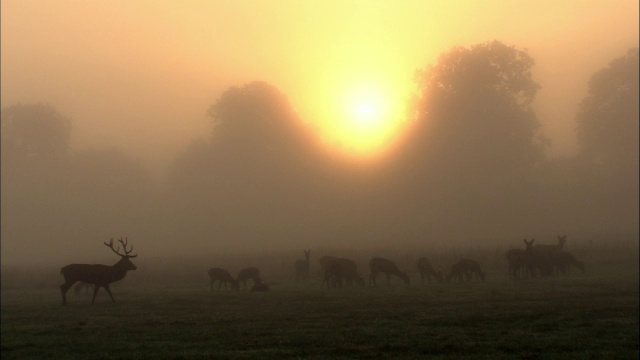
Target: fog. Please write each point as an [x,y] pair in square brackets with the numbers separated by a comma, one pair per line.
[205,128]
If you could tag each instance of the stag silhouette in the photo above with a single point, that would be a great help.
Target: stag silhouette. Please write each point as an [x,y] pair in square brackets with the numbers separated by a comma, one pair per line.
[97,274]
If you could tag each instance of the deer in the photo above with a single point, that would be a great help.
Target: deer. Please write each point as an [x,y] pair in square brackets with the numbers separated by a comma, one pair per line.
[565,260]
[425,268]
[250,273]
[382,265]
[333,273]
[302,267]
[97,274]
[546,247]
[520,260]
[82,285]
[464,270]
[260,287]
[223,276]
[338,269]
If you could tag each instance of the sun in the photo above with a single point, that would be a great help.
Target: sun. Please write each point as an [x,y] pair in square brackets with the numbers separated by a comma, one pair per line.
[366,118]
[359,116]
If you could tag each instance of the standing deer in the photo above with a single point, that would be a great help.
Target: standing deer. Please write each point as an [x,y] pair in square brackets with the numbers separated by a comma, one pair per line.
[425,268]
[223,276]
[388,267]
[250,273]
[546,247]
[97,274]
[302,266]
[82,285]
[521,261]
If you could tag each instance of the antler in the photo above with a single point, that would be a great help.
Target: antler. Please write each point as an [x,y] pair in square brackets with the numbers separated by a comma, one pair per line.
[124,245]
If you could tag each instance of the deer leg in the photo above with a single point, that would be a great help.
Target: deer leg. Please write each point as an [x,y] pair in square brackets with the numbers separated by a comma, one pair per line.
[106,287]
[95,292]
[372,278]
[63,289]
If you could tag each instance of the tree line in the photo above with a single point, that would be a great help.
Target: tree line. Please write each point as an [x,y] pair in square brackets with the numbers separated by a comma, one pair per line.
[471,163]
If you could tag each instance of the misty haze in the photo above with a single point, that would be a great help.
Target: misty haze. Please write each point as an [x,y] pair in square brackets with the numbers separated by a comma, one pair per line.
[217,131]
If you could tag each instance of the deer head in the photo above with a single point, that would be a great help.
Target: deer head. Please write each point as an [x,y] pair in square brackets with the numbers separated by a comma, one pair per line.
[124,262]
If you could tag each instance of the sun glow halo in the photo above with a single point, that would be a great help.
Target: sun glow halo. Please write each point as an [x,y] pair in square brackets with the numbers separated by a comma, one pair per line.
[367,119]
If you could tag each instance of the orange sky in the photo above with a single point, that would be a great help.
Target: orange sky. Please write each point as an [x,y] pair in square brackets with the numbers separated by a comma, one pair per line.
[141,74]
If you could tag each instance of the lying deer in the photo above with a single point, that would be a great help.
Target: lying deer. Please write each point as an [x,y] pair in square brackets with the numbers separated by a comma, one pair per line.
[250,273]
[97,274]
[223,276]
[425,269]
[388,267]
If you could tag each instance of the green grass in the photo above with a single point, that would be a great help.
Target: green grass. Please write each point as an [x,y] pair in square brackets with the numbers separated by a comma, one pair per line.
[580,316]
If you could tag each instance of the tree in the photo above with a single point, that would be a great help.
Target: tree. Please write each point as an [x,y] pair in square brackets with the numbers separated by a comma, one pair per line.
[36,130]
[254,172]
[608,138]
[474,111]
[473,144]
[608,118]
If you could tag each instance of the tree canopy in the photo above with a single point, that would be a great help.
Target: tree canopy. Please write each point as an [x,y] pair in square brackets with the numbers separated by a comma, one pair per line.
[474,109]
[34,130]
[608,118]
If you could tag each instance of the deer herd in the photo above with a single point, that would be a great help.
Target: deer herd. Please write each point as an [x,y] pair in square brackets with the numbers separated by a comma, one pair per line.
[531,261]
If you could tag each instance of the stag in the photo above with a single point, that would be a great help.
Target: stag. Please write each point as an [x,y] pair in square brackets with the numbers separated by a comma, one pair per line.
[302,266]
[82,285]
[425,269]
[223,276]
[250,273]
[388,267]
[97,274]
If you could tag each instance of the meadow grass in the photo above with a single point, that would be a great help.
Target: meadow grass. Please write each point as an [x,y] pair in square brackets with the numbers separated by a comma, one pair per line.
[579,316]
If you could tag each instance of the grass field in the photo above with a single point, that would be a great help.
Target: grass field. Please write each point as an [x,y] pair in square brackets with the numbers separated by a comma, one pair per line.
[578,316]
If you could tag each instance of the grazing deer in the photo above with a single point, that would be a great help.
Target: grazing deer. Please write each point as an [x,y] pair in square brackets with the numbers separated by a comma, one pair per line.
[333,274]
[563,261]
[464,270]
[338,269]
[425,268]
[223,276]
[250,273]
[97,274]
[260,287]
[388,267]
[302,266]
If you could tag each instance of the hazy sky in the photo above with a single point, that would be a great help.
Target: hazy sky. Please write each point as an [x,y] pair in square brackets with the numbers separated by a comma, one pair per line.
[140,75]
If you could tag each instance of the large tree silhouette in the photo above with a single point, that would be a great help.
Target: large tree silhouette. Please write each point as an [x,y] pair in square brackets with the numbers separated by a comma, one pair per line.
[608,118]
[474,141]
[36,130]
[608,138]
[253,175]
